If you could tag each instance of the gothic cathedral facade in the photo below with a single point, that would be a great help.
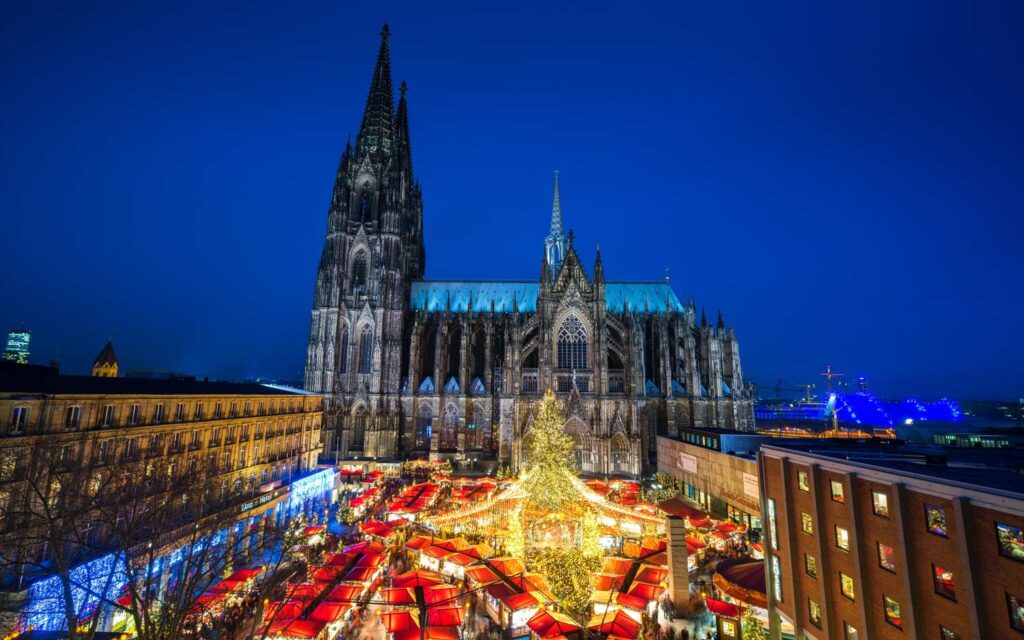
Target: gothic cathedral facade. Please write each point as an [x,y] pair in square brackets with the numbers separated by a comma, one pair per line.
[416,368]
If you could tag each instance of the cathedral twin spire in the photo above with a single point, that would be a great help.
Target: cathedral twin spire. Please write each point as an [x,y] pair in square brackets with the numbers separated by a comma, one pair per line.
[383,129]
[554,243]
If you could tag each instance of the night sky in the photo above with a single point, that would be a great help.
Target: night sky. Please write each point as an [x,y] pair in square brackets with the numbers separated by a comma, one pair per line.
[845,182]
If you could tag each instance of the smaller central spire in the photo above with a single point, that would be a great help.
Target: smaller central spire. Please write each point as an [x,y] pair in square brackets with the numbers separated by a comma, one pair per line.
[554,243]
[556,209]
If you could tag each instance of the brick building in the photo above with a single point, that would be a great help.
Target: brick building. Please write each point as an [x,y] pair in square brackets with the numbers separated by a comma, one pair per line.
[872,540]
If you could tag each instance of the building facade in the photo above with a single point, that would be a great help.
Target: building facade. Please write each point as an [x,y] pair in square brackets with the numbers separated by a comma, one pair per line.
[421,368]
[879,541]
[718,471]
[247,442]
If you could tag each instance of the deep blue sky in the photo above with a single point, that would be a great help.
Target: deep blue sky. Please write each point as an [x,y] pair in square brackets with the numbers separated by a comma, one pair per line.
[844,181]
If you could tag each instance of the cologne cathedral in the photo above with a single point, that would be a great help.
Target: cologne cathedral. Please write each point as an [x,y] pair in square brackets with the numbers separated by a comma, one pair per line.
[418,368]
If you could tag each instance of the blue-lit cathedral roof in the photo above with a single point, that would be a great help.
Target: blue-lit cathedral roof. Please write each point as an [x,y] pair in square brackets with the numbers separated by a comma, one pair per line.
[504,296]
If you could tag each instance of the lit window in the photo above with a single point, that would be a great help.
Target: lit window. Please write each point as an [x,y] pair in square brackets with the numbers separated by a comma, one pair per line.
[943,579]
[814,612]
[133,414]
[1016,607]
[807,523]
[107,417]
[880,503]
[802,481]
[72,417]
[19,418]
[837,491]
[810,565]
[892,612]
[849,632]
[842,538]
[846,586]
[935,520]
[948,634]
[886,557]
[1011,541]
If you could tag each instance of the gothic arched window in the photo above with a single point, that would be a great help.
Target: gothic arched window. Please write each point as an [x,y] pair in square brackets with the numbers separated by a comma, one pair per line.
[424,426]
[359,428]
[483,428]
[343,351]
[365,350]
[359,270]
[364,207]
[572,344]
[449,429]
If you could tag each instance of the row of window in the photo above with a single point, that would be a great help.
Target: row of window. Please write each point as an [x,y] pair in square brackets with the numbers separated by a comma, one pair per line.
[107,416]
[892,613]
[364,361]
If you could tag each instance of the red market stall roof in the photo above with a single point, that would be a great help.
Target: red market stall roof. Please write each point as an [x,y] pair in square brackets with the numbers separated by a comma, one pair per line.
[518,601]
[646,590]
[440,594]
[445,616]
[365,547]
[720,608]
[757,546]
[418,543]
[551,624]
[296,628]
[617,566]
[694,543]
[401,620]
[455,544]
[246,574]
[305,590]
[617,625]
[719,535]
[700,523]
[743,580]
[430,633]
[677,507]
[372,560]
[399,596]
[417,578]
[729,527]
[224,586]
[602,581]
[377,528]
[436,552]
[329,611]
[482,575]
[338,559]
[651,573]
[507,566]
[314,530]
[530,582]
[283,610]
[206,601]
[326,574]
[461,559]
[500,591]
[622,599]
[360,574]
[345,592]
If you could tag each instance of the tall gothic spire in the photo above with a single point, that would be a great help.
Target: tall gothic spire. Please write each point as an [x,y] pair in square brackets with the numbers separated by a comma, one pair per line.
[554,243]
[376,130]
[402,130]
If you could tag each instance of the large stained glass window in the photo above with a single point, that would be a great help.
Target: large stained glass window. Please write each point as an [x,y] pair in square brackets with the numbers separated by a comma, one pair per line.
[572,344]
[365,350]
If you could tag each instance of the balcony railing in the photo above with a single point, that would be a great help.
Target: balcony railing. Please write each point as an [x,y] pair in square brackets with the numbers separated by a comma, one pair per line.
[616,381]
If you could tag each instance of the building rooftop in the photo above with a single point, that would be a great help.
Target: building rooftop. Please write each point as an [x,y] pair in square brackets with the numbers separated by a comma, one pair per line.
[998,469]
[436,295]
[44,380]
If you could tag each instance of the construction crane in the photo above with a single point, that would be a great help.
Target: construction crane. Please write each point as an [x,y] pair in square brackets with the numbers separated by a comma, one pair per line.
[804,389]
[828,375]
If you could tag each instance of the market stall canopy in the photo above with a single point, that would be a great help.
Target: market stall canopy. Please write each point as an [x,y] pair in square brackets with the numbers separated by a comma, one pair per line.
[646,590]
[377,528]
[743,580]
[326,574]
[400,620]
[418,543]
[617,566]
[430,633]
[360,574]
[518,601]
[296,628]
[602,581]
[618,626]
[720,608]
[508,566]
[279,610]
[445,616]
[399,596]
[440,594]
[552,624]
[677,507]
[345,592]
[372,560]
[416,578]
[482,575]
[305,590]
[329,611]
[651,573]
[365,547]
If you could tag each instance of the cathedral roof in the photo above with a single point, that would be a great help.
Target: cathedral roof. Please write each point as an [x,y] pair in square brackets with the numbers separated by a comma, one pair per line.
[436,295]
